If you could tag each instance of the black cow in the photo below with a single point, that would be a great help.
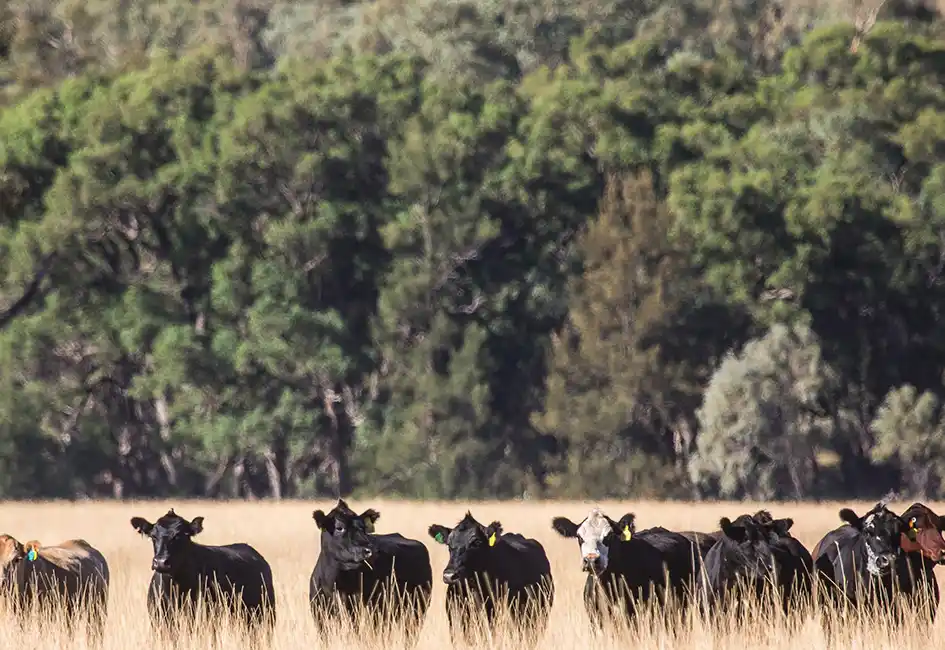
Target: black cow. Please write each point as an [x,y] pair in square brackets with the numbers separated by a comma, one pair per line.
[794,563]
[924,548]
[703,541]
[629,566]
[487,568]
[388,576]
[235,577]
[757,552]
[857,563]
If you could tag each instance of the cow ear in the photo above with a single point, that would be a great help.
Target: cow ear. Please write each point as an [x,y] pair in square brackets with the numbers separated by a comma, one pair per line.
[31,550]
[782,526]
[142,525]
[196,525]
[564,527]
[847,515]
[321,519]
[370,517]
[439,533]
[625,528]
[732,531]
[493,532]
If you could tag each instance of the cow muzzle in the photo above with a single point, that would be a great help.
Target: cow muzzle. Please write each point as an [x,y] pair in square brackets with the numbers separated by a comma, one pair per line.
[160,564]
[592,563]
[883,561]
[450,577]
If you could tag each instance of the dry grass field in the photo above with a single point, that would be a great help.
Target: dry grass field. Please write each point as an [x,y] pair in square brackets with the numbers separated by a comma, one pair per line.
[286,535]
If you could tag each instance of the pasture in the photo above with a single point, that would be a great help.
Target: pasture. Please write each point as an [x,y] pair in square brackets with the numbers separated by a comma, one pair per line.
[287,536]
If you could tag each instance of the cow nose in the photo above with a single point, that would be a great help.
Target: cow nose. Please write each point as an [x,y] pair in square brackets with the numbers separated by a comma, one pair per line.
[592,563]
[368,553]
[159,564]
[882,561]
[449,577]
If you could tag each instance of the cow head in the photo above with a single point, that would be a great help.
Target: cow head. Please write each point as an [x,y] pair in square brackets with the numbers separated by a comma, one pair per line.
[596,535]
[747,545]
[171,536]
[346,535]
[470,545]
[923,533]
[881,531]
[774,528]
[12,554]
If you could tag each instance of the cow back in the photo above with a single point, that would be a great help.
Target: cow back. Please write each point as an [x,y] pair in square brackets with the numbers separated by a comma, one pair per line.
[522,559]
[407,559]
[641,561]
[829,552]
[679,554]
[73,569]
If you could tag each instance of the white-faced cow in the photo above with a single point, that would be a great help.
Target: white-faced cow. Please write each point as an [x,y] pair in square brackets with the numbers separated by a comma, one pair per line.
[388,576]
[857,562]
[488,569]
[72,577]
[233,578]
[629,567]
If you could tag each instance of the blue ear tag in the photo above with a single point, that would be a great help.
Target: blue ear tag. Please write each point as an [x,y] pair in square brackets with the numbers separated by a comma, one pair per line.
[31,556]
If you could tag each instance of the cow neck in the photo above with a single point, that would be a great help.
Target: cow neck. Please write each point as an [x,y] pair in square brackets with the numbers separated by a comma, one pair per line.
[195,563]
[861,549]
[615,555]
[918,562]
[27,569]
[330,571]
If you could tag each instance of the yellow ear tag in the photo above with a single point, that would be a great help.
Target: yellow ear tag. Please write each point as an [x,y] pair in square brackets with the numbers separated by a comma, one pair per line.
[492,540]
[627,535]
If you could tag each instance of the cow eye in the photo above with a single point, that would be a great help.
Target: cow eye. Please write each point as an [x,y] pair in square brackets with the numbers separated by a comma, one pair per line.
[340,529]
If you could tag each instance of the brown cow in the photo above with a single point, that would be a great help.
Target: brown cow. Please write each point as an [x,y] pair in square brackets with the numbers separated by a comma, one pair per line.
[924,548]
[72,575]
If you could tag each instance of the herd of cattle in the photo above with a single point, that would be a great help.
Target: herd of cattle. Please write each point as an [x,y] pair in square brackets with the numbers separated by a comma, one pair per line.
[870,560]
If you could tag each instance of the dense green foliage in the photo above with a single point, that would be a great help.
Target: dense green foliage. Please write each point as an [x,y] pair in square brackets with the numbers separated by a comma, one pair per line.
[472,248]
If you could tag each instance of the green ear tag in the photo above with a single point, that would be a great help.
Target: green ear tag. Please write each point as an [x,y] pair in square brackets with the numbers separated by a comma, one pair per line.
[439,537]
[31,556]
[627,535]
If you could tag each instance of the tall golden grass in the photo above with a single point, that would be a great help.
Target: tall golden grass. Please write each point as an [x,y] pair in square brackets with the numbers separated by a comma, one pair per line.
[286,535]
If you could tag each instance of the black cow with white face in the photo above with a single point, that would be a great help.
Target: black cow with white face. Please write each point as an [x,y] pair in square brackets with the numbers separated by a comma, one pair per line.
[627,566]
[858,561]
[757,553]
[387,576]
[235,577]
[487,567]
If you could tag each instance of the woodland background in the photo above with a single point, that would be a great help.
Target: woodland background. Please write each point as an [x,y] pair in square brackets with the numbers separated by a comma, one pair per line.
[472,248]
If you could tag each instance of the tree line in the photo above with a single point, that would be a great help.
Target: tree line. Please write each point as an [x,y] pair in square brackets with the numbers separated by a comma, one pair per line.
[462,249]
